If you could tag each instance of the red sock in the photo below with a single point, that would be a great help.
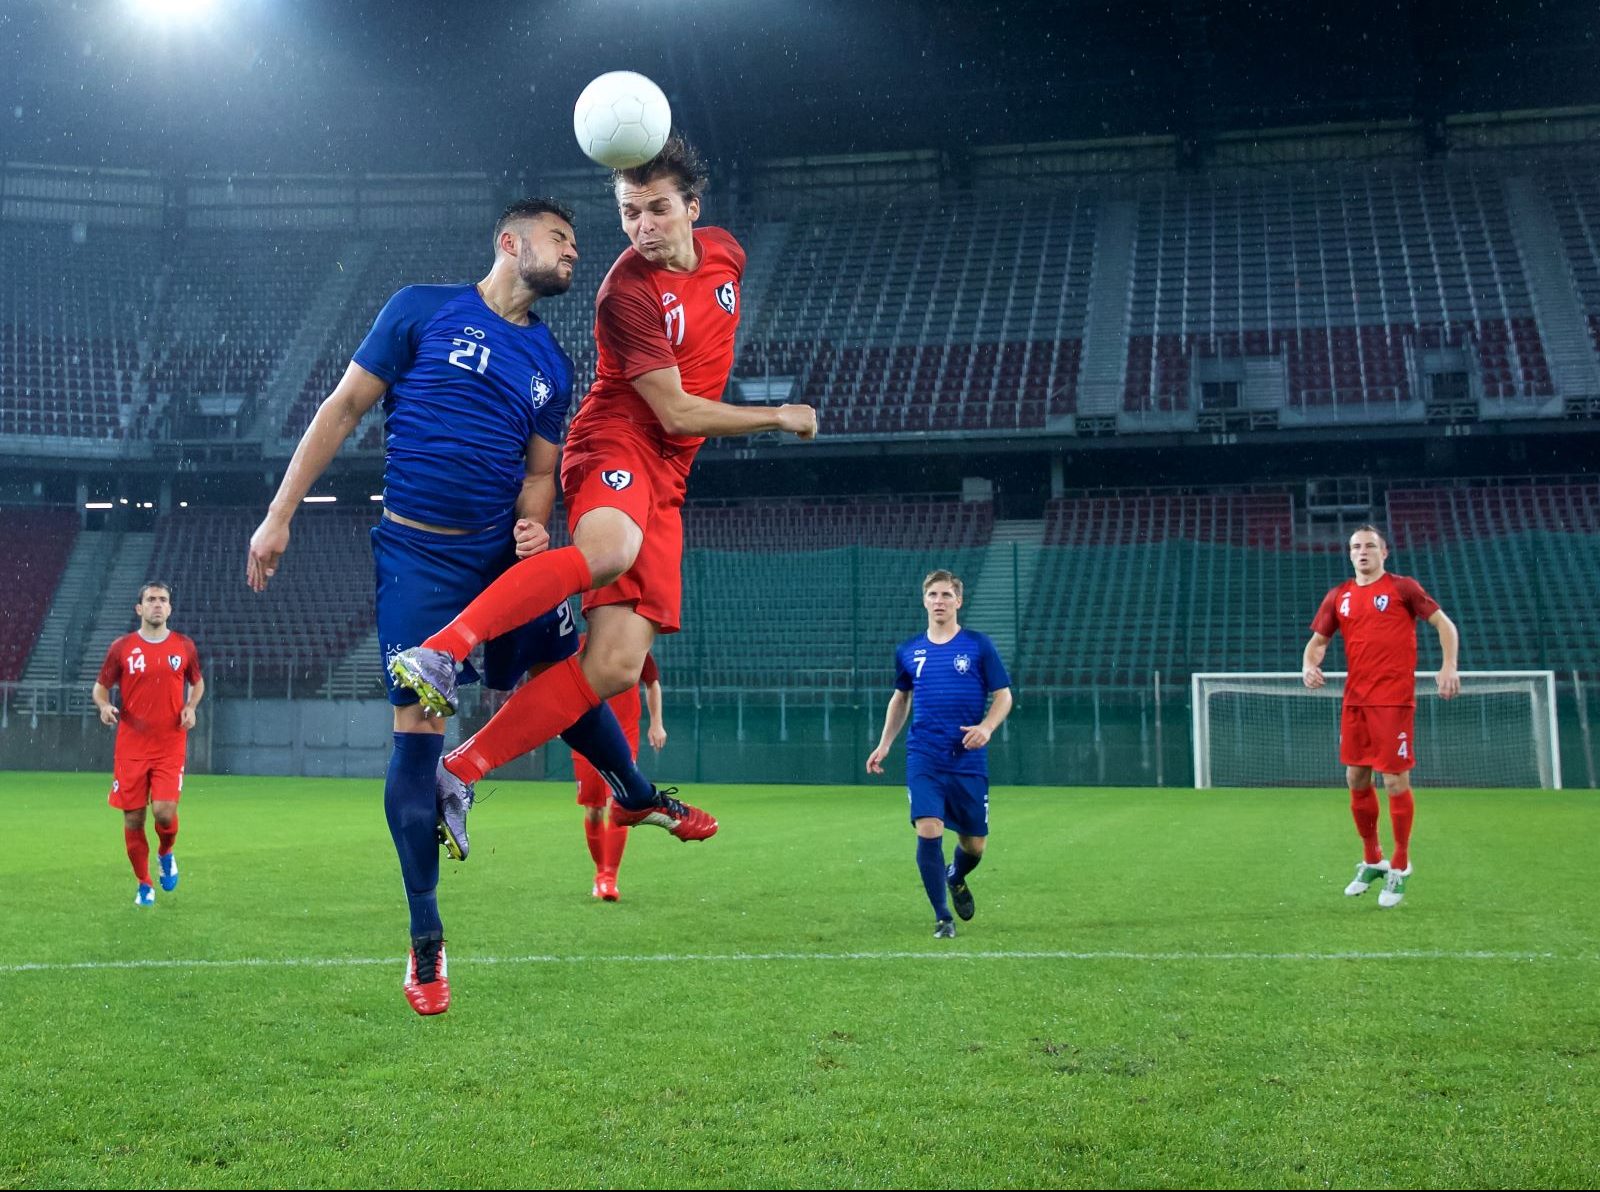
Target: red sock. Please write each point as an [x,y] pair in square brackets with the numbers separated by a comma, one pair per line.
[595,834]
[138,853]
[1364,810]
[166,835]
[616,839]
[525,590]
[539,710]
[1401,810]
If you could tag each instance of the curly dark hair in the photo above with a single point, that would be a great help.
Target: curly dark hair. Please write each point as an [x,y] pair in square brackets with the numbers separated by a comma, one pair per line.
[679,159]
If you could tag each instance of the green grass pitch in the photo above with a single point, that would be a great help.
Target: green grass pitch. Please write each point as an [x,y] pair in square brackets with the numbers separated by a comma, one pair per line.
[1160,988]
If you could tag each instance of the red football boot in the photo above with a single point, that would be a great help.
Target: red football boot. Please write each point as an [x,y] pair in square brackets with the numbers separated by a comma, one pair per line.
[427,976]
[605,887]
[683,821]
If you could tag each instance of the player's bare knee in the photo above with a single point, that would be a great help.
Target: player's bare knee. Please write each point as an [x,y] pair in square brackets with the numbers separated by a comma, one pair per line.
[611,666]
[1394,784]
[133,820]
[930,828]
[1359,778]
[594,815]
[609,541]
[410,718]
[973,846]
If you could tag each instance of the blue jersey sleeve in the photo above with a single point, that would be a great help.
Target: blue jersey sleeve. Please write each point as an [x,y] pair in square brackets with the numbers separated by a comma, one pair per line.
[551,420]
[902,676]
[994,671]
[391,345]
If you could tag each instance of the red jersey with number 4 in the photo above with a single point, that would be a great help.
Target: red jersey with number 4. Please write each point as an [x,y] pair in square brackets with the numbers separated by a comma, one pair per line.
[152,676]
[647,317]
[1379,623]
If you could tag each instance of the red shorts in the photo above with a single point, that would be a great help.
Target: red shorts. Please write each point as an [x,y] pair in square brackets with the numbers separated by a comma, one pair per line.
[592,789]
[136,781]
[613,469]
[1380,736]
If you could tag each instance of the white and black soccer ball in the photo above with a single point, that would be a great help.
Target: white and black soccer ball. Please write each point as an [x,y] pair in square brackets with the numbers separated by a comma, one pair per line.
[621,120]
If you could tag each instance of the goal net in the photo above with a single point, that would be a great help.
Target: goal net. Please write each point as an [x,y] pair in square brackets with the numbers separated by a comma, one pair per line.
[1269,729]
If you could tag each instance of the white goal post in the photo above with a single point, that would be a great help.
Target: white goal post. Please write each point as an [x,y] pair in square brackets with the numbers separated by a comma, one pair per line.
[1268,729]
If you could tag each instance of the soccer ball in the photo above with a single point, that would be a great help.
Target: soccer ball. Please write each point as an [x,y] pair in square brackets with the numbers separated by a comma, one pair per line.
[622,120]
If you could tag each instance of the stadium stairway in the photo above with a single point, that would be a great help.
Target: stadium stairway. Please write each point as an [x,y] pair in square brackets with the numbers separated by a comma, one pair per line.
[1562,323]
[77,599]
[1003,583]
[1105,336]
[129,567]
[355,676]
[323,317]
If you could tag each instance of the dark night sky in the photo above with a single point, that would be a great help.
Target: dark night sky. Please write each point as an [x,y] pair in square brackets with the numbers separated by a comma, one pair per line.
[319,85]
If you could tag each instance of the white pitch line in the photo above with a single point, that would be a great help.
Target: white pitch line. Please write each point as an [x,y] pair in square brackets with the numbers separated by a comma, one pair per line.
[785,957]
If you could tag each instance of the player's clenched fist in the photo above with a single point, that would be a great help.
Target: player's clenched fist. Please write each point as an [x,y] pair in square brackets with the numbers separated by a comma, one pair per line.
[800,421]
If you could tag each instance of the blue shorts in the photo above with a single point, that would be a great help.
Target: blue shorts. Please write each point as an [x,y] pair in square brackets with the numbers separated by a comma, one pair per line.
[425,580]
[960,800]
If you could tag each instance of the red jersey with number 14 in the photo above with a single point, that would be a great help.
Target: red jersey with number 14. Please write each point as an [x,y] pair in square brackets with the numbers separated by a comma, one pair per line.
[152,676]
[647,317]
[1379,623]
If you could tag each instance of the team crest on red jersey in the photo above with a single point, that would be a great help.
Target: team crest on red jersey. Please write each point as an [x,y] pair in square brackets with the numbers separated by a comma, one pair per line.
[175,661]
[727,296]
[1381,603]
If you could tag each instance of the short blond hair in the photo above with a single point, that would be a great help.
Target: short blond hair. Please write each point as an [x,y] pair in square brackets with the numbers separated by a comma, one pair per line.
[942,576]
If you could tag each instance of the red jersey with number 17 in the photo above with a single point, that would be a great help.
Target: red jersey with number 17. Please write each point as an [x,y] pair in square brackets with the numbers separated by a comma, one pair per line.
[152,677]
[647,317]
[1379,623]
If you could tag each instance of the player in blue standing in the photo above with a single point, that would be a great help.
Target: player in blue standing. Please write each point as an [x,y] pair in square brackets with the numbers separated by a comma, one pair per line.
[475,391]
[945,677]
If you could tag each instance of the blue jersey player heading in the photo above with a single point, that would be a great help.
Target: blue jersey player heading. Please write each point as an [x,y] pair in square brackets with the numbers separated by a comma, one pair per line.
[475,391]
[953,685]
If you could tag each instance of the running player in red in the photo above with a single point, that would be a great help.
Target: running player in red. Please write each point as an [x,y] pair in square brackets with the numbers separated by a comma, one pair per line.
[665,319]
[151,665]
[606,841]
[1377,613]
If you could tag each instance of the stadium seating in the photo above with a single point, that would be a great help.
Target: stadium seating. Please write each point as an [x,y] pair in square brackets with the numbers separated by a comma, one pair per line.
[314,610]
[34,546]
[1342,274]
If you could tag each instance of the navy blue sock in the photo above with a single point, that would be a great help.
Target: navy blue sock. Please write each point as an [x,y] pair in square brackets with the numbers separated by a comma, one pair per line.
[413,813]
[597,735]
[963,864]
[930,860]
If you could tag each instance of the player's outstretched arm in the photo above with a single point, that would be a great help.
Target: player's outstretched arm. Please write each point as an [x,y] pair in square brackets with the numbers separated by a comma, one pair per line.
[102,700]
[1448,680]
[977,735]
[682,413]
[1311,661]
[894,719]
[338,415]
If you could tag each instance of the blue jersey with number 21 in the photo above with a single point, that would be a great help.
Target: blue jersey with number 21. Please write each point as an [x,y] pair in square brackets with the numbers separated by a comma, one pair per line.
[468,391]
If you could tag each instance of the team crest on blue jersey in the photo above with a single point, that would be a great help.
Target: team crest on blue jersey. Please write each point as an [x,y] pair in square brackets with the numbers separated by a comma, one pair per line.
[963,663]
[175,661]
[727,296]
[540,389]
[1381,603]
[617,478]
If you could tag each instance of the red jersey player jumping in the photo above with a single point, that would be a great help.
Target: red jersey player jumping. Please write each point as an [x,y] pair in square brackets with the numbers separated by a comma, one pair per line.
[151,665]
[1377,613]
[665,319]
[606,841]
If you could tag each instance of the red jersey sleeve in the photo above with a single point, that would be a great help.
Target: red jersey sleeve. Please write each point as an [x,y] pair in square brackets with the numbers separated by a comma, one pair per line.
[1422,605]
[111,668]
[629,327]
[649,674]
[1326,622]
[191,668]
